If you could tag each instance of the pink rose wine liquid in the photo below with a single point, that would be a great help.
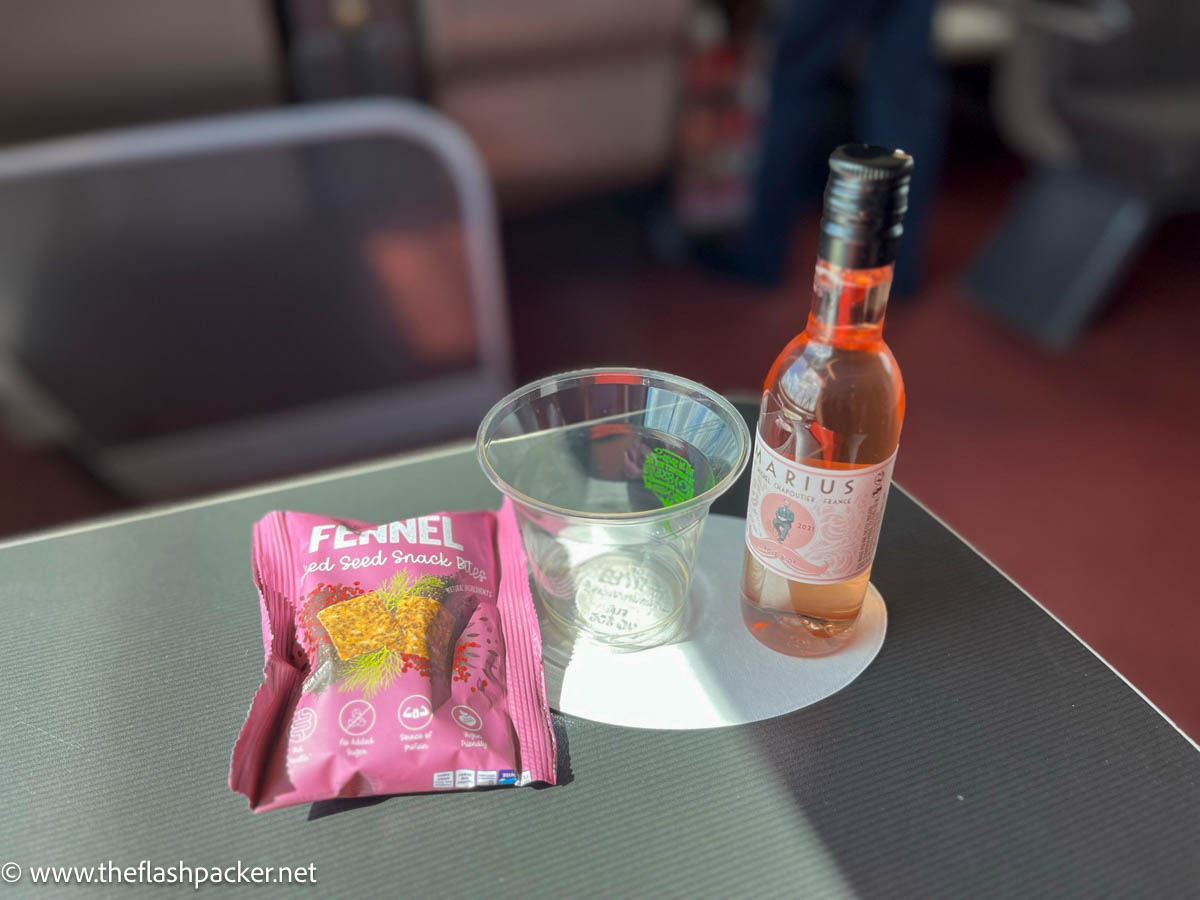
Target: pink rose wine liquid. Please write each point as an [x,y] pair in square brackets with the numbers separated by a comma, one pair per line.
[829,424]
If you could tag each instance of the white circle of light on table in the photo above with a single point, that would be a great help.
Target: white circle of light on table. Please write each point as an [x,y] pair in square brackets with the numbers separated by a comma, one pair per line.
[718,674]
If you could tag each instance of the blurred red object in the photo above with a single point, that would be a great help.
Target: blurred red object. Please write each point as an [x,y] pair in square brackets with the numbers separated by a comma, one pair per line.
[718,128]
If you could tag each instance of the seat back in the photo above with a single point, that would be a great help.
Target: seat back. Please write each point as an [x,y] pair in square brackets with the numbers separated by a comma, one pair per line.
[200,304]
[1154,48]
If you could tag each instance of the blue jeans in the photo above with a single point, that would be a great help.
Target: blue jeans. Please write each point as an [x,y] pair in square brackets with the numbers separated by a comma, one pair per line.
[900,102]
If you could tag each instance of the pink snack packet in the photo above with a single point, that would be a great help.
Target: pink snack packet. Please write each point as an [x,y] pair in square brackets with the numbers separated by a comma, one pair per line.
[400,657]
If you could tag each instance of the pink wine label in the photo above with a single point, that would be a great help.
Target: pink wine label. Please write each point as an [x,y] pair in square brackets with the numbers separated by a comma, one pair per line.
[811,524]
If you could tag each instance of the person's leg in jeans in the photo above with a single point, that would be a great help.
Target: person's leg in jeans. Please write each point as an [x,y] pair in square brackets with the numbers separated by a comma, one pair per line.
[902,103]
[812,38]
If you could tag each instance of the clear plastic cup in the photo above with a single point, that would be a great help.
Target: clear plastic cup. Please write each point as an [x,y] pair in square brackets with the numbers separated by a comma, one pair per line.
[612,473]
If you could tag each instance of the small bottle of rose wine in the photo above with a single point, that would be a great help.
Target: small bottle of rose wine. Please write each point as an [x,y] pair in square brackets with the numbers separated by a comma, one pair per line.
[830,421]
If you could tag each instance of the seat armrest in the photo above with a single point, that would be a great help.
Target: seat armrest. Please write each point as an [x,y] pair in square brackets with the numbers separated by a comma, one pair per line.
[1086,21]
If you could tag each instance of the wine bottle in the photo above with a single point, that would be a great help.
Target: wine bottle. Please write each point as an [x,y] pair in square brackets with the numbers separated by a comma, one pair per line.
[829,424]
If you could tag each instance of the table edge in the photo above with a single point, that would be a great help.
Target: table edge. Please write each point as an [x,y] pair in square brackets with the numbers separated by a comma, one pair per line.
[155,510]
[1050,613]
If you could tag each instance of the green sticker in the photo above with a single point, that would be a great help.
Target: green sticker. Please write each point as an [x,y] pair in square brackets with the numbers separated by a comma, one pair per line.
[669,477]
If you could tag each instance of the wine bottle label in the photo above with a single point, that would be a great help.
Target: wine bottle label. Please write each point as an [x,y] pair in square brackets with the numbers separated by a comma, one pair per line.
[812,524]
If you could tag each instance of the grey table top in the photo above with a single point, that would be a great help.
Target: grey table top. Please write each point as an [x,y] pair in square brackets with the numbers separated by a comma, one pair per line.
[985,752]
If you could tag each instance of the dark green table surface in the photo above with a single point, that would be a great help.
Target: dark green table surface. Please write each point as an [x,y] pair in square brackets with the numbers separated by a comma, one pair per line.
[985,752]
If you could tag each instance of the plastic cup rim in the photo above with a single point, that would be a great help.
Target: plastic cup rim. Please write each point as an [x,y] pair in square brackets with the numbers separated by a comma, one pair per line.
[700,502]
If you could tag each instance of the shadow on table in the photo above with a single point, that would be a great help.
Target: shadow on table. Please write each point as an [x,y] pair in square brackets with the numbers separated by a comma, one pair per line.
[563,771]
[323,808]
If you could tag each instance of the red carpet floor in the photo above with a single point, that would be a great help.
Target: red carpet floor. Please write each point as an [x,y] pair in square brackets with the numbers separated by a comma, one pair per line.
[1076,474]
